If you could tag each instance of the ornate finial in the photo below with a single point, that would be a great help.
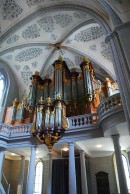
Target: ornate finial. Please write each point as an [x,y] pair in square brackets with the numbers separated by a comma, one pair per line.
[15,102]
[58,96]
[36,73]
[46,76]
[85,59]
[48,100]
[41,100]
[60,58]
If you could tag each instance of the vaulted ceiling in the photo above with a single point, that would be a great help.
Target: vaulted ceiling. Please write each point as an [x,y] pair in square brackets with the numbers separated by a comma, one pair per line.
[34,32]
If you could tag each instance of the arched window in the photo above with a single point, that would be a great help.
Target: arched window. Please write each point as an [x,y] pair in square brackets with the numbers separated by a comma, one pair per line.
[2,87]
[38,178]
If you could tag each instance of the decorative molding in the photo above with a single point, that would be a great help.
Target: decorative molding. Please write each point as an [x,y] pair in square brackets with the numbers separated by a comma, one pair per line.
[28,54]
[105,51]
[33,2]
[12,39]
[63,19]
[31,32]
[46,23]
[89,34]
[26,74]
[11,10]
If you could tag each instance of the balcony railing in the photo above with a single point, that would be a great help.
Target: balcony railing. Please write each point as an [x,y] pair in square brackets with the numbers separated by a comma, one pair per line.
[82,120]
[75,122]
[109,104]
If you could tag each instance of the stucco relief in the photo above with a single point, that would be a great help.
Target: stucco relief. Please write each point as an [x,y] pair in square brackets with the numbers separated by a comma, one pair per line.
[11,10]
[31,32]
[28,54]
[89,34]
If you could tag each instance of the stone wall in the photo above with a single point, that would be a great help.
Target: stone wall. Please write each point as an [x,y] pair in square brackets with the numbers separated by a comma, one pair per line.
[104,164]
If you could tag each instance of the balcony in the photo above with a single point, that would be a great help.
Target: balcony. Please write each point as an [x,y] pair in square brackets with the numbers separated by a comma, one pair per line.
[109,113]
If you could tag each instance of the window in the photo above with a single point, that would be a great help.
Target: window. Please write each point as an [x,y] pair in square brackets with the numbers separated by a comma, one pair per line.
[38,178]
[2,84]
[125,164]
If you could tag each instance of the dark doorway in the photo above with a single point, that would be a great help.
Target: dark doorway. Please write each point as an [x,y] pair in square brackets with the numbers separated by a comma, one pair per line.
[102,183]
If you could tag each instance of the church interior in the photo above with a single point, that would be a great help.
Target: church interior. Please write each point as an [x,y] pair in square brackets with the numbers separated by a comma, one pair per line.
[64,97]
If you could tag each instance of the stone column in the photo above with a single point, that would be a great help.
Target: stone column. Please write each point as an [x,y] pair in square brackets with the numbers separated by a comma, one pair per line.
[72,172]
[31,173]
[128,154]
[83,173]
[1,163]
[88,173]
[49,185]
[120,167]
[119,41]
[21,176]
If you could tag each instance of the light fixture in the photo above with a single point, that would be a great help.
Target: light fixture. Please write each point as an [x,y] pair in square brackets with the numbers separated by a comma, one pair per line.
[65,149]
[99,146]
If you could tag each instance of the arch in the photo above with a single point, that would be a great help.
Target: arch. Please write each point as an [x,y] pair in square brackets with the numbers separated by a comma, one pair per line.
[11,90]
[98,18]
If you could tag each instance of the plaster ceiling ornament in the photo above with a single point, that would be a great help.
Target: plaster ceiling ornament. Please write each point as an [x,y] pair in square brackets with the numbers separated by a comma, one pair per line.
[93,47]
[11,10]
[46,23]
[105,51]
[34,64]
[31,32]
[69,62]
[26,74]
[89,34]
[17,67]
[34,2]
[68,41]
[28,54]
[63,19]
[53,37]
[12,39]
[50,71]
[78,60]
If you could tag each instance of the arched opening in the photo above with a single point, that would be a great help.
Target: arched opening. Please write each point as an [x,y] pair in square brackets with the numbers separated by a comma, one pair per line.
[38,178]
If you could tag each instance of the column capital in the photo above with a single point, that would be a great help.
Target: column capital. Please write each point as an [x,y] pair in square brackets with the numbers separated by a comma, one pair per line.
[115,137]
[33,147]
[81,152]
[71,143]
[117,28]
